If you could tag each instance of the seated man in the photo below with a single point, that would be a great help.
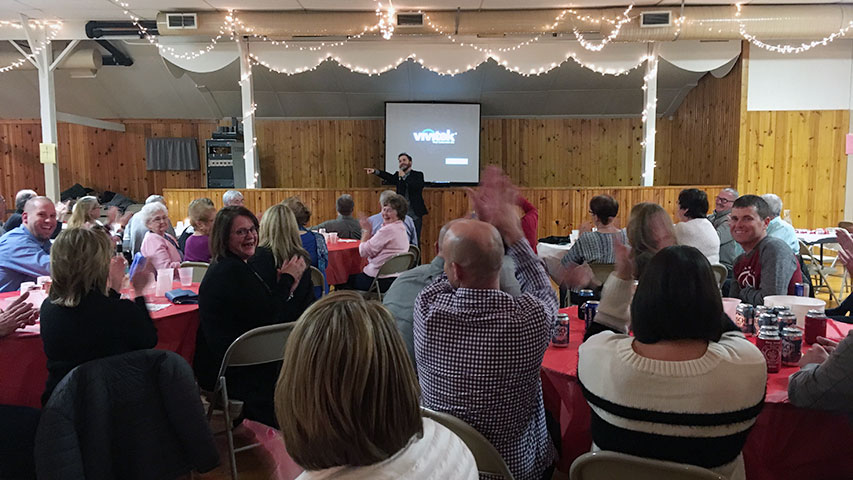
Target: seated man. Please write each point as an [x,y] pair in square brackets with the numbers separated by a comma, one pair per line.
[768,267]
[400,297]
[780,228]
[345,225]
[21,199]
[25,251]
[729,248]
[231,198]
[376,220]
[478,349]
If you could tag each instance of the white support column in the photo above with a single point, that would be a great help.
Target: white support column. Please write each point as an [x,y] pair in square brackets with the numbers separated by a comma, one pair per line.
[650,103]
[848,189]
[43,56]
[247,93]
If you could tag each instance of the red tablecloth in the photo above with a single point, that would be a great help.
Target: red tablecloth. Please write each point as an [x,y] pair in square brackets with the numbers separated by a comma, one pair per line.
[786,441]
[23,364]
[344,261]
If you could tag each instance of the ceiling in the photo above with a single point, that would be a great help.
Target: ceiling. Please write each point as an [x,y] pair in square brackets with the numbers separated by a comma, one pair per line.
[148,90]
[107,10]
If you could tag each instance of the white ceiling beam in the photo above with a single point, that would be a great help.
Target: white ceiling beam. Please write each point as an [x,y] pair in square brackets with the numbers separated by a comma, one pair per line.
[90,122]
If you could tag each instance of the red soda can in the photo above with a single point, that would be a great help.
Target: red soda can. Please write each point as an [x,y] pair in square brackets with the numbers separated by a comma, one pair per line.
[770,344]
[561,331]
[815,325]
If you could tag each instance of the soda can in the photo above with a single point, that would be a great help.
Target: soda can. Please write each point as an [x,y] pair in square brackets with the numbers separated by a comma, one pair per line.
[584,294]
[767,320]
[744,319]
[759,309]
[786,319]
[770,345]
[591,308]
[815,324]
[792,346]
[781,309]
[800,289]
[561,331]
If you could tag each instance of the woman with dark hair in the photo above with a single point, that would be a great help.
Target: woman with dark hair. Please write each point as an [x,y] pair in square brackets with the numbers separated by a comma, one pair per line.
[694,228]
[649,230]
[688,385]
[233,299]
[362,421]
[595,246]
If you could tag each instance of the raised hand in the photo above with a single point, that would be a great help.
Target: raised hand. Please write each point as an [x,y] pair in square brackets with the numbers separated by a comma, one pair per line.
[577,276]
[142,276]
[370,171]
[116,276]
[17,315]
[294,267]
[623,266]
[494,202]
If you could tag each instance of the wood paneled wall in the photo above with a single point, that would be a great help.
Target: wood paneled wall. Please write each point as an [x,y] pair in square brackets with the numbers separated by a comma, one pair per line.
[699,144]
[560,209]
[97,158]
[800,157]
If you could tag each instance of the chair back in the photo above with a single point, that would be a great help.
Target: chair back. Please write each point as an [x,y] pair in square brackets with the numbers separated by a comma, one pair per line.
[602,271]
[611,465]
[317,279]
[199,270]
[846,225]
[257,346]
[489,461]
[414,250]
[397,264]
[720,272]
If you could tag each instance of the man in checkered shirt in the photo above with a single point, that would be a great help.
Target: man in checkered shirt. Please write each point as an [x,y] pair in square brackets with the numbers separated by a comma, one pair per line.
[479,349]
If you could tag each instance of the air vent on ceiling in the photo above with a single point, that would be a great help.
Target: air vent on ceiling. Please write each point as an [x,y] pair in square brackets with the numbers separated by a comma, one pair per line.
[181,20]
[655,19]
[410,19]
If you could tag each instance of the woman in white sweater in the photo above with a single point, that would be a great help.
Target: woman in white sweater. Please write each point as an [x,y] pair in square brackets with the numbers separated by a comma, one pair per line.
[687,386]
[347,400]
[694,228]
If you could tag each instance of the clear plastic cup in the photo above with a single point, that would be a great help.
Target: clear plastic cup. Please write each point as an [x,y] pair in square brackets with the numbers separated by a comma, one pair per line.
[186,275]
[333,238]
[164,281]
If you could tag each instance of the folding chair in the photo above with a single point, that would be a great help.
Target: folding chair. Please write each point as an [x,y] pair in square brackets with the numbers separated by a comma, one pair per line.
[602,271]
[199,270]
[720,273]
[416,251]
[610,465]
[489,460]
[397,264]
[256,347]
[317,279]
[817,270]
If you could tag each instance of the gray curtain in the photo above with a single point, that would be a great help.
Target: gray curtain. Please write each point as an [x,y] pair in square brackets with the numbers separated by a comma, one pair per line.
[171,154]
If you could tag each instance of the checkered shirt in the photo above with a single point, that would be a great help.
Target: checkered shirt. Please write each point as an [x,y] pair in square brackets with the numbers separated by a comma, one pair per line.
[478,356]
[593,247]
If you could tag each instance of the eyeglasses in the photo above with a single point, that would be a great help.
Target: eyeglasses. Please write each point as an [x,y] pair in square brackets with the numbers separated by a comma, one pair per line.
[724,200]
[243,232]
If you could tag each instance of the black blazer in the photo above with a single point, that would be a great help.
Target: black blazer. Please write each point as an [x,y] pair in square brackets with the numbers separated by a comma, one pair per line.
[98,327]
[413,185]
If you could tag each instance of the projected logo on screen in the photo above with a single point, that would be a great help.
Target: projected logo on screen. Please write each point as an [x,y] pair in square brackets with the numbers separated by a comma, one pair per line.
[430,135]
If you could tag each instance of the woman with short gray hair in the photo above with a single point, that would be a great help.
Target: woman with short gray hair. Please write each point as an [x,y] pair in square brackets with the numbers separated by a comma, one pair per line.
[158,247]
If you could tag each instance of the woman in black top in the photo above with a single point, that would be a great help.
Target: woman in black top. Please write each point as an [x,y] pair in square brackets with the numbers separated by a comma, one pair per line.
[233,299]
[84,317]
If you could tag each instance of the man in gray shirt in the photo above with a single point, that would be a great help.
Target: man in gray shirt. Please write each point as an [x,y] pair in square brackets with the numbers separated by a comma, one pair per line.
[729,248]
[400,298]
[345,225]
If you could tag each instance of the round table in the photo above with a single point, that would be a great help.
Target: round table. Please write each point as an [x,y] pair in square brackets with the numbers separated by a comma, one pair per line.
[786,441]
[23,364]
[344,260]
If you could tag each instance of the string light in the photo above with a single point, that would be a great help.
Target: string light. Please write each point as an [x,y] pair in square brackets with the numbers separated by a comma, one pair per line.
[609,38]
[787,49]
[386,19]
[650,108]
[52,28]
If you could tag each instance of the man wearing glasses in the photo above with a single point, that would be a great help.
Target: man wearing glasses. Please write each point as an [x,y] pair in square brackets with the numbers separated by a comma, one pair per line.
[729,248]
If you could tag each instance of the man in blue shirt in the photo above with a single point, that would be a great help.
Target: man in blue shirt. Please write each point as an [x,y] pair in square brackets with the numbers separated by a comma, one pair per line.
[25,251]
[376,220]
[780,228]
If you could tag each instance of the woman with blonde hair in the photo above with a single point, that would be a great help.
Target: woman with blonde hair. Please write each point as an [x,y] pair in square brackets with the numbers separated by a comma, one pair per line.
[84,317]
[278,246]
[197,246]
[363,420]
[85,213]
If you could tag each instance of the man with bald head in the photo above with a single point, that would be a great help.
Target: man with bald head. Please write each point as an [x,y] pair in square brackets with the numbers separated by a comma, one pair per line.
[25,251]
[400,297]
[479,349]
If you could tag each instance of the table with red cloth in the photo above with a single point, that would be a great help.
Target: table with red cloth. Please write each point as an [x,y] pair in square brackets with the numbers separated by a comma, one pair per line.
[344,260]
[23,364]
[786,441]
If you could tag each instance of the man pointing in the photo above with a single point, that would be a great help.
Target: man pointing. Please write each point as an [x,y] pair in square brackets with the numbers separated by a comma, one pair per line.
[410,184]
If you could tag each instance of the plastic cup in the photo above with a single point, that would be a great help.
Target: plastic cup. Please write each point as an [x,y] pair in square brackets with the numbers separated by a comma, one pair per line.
[333,238]
[27,286]
[164,281]
[186,275]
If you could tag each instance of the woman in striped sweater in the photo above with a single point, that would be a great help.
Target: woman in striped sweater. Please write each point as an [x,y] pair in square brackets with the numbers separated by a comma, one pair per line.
[687,386]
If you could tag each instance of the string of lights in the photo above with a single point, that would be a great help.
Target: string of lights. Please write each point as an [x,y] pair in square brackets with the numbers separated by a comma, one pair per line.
[52,28]
[787,49]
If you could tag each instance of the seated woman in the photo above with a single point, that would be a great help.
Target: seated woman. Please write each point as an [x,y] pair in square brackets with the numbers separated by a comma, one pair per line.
[688,386]
[693,227]
[233,299]
[314,243]
[278,246]
[158,247]
[649,230]
[362,421]
[84,317]
[391,239]
[595,246]
[197,246]
[87,211]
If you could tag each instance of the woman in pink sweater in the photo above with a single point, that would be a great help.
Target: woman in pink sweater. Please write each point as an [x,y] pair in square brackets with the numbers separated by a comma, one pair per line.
[158,247]
[391,239]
